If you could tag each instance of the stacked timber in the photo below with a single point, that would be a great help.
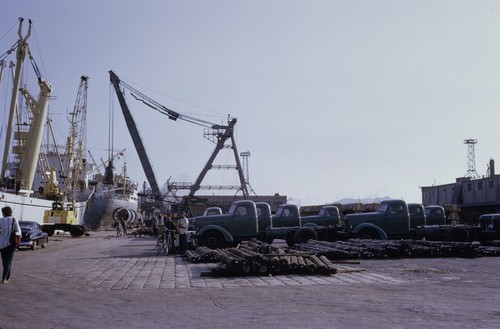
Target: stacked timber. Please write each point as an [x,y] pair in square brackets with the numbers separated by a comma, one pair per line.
[259,258]
[317,257]
[382,249]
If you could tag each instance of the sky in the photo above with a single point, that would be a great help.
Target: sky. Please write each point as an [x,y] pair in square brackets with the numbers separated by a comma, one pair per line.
[334,99]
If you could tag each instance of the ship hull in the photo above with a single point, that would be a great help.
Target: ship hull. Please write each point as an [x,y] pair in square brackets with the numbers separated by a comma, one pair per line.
[100,209]
[28,208]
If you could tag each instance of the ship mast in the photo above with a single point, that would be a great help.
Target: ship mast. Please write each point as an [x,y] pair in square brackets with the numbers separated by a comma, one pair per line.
[22,45]
[31,140]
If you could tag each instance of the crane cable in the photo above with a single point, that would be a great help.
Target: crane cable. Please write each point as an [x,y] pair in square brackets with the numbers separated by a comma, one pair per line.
[173,115]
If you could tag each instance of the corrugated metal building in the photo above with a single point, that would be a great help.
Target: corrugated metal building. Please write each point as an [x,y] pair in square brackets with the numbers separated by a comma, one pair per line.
[474,196]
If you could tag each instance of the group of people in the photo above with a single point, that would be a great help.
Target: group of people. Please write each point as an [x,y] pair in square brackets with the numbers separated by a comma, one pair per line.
[180,225]
[8,224]
[121,228]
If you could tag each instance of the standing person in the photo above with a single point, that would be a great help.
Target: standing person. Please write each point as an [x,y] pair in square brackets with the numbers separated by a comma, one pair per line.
[124,226]
[154,227]
[118,229]
[170,228]
[7,225]
[182,227]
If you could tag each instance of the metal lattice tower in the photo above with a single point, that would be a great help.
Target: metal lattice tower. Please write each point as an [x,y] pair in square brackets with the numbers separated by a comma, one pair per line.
[75,165]
[246,171]
[471,158]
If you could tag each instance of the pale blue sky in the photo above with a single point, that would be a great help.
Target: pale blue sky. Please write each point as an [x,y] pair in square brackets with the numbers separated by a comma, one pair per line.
[334,99]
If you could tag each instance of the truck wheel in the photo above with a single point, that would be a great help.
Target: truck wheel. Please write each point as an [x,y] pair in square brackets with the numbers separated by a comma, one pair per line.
[212,240]
[368,233]
[304,234]
[75,231]
[49,230]
[457,234]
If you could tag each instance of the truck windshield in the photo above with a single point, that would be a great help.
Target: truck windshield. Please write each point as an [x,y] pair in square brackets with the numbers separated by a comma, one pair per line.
[383,207]
[259,211]
[278,213]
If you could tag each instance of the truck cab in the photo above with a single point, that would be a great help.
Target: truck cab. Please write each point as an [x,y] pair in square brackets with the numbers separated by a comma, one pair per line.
[287,215]
[327,216]
[490,222]
[217,231]
[264,215]
[417,215]
[392,219]
[435,215]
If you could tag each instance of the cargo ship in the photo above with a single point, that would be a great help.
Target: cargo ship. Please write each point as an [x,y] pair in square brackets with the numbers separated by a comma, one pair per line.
[29,184]
[113,191]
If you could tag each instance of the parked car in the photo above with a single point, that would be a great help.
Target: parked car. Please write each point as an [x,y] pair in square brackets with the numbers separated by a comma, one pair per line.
[32,235]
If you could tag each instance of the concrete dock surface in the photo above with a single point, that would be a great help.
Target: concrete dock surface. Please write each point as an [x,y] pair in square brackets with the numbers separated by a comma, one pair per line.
[100,281]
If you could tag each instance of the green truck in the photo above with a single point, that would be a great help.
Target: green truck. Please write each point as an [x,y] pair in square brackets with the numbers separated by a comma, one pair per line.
[395,219]
[247,220]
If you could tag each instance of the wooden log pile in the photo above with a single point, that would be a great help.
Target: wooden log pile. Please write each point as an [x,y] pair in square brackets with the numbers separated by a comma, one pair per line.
[259,258]
[317,257]
[381,249]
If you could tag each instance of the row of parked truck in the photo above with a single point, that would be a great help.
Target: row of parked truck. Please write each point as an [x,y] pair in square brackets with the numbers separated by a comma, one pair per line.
[394,219]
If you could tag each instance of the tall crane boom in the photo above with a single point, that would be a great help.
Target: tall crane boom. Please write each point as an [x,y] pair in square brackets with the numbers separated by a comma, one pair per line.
[136,138]
[221,135]
[75,165]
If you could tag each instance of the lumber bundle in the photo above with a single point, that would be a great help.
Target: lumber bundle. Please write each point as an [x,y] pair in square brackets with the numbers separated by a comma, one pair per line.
[259,258]
[317,257]
[381,249]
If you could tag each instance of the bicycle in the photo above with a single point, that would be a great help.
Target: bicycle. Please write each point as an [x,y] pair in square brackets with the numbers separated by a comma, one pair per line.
[165,243]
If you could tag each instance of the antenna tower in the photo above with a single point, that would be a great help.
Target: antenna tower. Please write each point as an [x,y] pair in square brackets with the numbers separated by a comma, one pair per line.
[471,158]
[246,172]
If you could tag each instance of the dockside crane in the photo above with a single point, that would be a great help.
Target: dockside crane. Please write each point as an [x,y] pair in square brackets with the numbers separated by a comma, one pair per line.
[136,138]
[221,135]
[63,216]
[75,170]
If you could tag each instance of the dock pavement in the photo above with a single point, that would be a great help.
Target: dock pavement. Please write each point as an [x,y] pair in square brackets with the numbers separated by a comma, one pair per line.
[102,281]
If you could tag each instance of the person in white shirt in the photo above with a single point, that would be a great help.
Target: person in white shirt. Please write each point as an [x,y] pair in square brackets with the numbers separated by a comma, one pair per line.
[7,249]
[182,228]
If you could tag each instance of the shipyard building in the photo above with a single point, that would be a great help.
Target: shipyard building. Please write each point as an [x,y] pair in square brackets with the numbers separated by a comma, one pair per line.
[473,196]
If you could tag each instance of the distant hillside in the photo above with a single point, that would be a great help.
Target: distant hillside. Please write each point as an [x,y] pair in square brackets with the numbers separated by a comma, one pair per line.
[364,201]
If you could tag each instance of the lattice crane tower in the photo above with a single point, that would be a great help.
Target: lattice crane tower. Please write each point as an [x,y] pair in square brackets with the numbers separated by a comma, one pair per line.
[471,158]
[246,171]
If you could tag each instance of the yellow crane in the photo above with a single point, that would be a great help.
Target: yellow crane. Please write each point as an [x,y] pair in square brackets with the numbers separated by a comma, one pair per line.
[62,216]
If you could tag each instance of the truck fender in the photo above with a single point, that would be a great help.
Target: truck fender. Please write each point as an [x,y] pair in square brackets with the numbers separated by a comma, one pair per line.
[310,225]
[227,236]
[381,232]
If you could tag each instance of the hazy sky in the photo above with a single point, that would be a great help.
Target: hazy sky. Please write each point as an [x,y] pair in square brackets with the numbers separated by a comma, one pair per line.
[334,99]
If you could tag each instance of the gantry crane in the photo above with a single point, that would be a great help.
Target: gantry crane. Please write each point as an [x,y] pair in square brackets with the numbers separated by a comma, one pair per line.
[219,134]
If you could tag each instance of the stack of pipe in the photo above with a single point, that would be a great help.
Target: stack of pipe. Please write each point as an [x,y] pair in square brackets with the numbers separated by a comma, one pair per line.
[259,258]
[381,249]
